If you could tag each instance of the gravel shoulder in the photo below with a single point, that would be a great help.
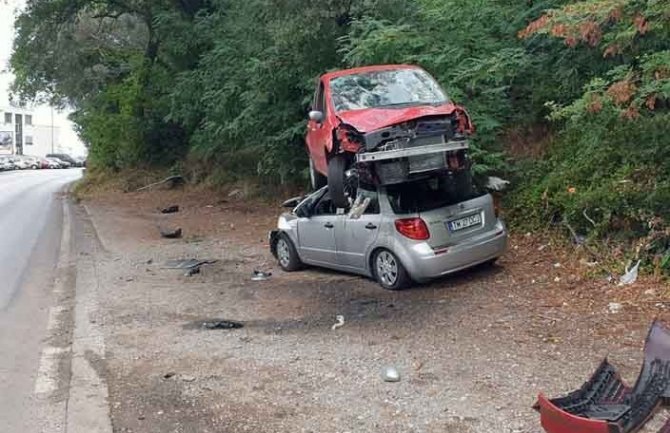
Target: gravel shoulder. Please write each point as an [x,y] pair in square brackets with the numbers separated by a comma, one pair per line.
[473,349]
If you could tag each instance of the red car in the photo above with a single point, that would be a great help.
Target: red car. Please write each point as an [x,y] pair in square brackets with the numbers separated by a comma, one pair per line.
[383,125]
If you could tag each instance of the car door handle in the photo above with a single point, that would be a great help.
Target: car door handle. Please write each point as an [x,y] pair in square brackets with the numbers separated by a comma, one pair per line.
[328,225]
[370,226]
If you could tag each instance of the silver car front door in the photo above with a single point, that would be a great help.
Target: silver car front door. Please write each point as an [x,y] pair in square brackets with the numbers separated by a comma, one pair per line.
[316,233]
[358,234]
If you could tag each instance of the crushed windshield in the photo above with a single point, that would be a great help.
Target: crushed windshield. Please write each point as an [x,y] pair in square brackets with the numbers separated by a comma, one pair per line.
[393,88]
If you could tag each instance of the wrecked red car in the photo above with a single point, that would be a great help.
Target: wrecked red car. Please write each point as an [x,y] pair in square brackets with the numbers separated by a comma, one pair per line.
[383,125]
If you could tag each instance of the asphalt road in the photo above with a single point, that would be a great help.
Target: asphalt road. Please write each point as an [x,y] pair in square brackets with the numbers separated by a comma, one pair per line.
[31,220]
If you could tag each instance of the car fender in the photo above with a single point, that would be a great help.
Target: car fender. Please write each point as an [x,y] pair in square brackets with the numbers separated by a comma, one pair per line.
[387,240]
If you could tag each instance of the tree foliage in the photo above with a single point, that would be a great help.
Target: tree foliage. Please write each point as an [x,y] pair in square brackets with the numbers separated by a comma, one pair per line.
[227,84]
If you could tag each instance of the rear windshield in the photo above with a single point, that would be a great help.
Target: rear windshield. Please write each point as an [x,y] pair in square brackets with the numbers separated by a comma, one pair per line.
[432,193]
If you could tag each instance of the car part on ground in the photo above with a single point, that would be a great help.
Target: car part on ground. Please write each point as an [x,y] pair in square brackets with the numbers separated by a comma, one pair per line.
[183,264]
[257,275]
[170,233]
[605,404]
[170,209]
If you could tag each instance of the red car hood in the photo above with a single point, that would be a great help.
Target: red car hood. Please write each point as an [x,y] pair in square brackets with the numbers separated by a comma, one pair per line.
[371,119]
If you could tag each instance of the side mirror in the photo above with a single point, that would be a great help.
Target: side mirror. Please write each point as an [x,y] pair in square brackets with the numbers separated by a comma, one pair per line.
[316,116]
[292,202]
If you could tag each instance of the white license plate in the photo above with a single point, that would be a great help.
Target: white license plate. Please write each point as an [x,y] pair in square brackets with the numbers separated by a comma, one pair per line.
[464,223]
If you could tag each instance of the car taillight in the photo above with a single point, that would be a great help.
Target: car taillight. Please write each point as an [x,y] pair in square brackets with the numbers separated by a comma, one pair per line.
[496,205]
[413,228]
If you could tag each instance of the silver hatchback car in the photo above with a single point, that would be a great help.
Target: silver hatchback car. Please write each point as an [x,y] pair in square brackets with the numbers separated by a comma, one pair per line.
[395,234]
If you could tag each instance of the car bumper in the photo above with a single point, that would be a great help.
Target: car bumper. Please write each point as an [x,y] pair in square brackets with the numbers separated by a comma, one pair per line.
[424,263]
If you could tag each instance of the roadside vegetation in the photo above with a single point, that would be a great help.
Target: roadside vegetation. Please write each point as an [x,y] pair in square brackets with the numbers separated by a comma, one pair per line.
[571,98]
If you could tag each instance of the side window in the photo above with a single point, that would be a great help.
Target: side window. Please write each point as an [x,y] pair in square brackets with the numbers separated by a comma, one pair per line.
[320,99]
[324,207]
[373,207]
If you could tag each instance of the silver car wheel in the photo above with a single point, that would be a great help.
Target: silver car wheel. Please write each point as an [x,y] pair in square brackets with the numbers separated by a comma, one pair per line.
[387,268]
[283,253]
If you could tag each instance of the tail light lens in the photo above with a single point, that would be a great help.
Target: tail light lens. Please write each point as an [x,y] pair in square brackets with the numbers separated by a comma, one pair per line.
[496,205]
[413,228]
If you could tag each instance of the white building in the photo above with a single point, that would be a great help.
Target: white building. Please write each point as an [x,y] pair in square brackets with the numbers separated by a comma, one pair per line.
[19,135]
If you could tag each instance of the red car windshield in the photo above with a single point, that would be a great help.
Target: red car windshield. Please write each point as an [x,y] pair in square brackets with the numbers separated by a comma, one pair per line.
[387,89]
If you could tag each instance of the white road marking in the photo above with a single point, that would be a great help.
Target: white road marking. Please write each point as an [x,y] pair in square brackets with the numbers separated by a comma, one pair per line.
[47,379]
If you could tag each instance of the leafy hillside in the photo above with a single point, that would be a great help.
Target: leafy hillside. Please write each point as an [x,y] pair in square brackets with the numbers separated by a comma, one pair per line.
[570,98]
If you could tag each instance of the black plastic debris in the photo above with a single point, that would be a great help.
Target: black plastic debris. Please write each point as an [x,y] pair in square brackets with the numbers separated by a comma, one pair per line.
[170,209]
[171,233]
[222,324]
[184,264]
[604,404]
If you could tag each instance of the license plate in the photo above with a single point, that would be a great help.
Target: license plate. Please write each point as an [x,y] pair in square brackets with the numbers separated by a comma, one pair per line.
[464,223]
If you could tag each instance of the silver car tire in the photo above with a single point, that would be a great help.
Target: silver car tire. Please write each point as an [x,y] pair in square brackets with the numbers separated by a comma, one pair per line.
[389,271]
[287,256]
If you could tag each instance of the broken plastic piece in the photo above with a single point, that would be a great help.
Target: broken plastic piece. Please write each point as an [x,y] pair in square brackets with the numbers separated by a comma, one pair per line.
[170,209]
[222,324]
[260,276]
[630,276]
[604,404]
[187,263]
[171,234]
[339,322]
[496,184]
[359,207]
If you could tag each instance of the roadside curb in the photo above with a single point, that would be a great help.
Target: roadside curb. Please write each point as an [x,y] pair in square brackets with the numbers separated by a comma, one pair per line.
[88,405]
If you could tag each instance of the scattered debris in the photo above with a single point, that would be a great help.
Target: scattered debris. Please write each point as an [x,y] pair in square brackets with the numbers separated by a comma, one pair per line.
[236,193]
[187,378]
[170,233]
[186,263]
[606,404]
[222,324]
[260,275]
[192,272]
[557,265]
[630,276]
[496,184]
[170,209]
[339,322]
[542,247]
[557,280]
[171,182]
[390,374]
[169,375]
[614,307]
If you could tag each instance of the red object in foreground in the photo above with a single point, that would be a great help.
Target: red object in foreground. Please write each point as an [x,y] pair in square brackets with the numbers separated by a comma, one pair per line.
[604,404]
[555,420]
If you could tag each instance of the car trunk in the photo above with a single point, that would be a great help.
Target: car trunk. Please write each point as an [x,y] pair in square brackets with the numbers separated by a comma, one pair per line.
[453,224]
[450,205]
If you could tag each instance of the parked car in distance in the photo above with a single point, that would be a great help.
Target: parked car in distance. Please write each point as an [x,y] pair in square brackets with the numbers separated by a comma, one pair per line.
[20,162]
[413,231]
[44,163]
[65,158]
[57,163]
[33,162]
[382,124]
[6,164]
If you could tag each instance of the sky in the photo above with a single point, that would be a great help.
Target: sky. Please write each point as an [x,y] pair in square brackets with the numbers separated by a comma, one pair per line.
[42,113]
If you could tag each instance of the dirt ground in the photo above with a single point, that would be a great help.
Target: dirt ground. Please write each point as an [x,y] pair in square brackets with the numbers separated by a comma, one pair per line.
[473,349]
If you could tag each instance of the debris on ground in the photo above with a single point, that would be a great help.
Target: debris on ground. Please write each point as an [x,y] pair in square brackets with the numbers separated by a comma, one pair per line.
[187,263]
[191,272]
[170,182]
[496,184]
[222,324]
[614,307]
[170,209]
[260,275]
[339,322]
[390,374]
[236,193]
[169,375]
[631,275]
[170,233]
[606,404]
